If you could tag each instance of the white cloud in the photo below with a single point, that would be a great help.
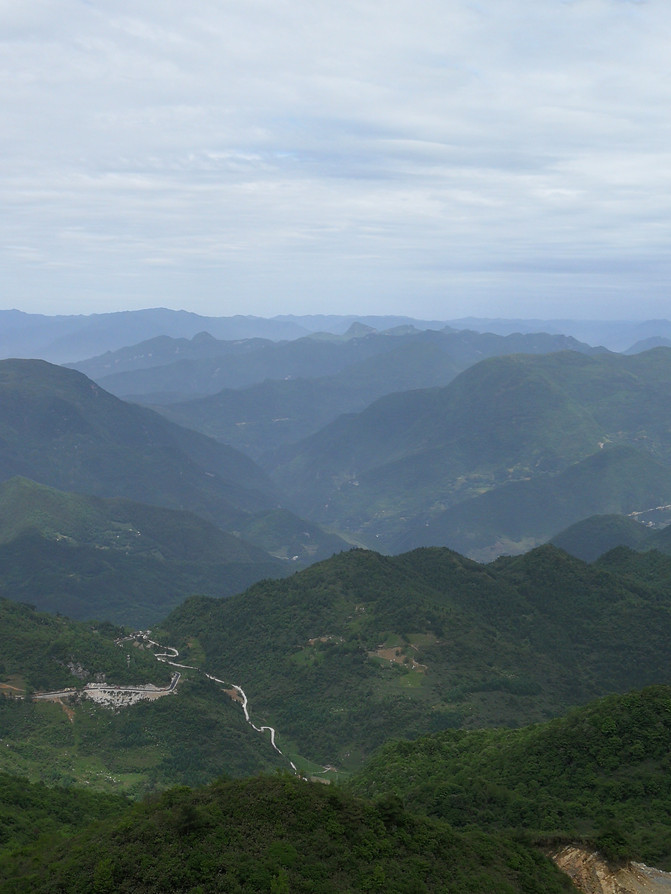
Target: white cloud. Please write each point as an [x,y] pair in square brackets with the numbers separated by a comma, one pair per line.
[376,156]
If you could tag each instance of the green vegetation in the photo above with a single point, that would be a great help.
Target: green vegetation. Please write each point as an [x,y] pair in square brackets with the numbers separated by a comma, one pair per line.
[115,524]
[383,474]
[85,581]
[362,647]
[277,834]
[29,811]
[130,563]
[47,652]
[652,567]
[190,736]
[59,428]
[600,775]
[351,652]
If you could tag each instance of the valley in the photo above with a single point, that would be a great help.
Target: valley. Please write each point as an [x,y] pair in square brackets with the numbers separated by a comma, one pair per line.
[428,566]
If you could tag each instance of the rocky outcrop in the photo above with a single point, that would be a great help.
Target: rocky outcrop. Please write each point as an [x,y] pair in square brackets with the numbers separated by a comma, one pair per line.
[591,874]
[117,697]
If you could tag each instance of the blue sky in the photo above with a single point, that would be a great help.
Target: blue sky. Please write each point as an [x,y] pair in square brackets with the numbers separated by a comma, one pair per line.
[436,158]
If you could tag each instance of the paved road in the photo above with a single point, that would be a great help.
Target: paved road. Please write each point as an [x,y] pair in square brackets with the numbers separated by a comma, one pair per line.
[167,657]
[171,653]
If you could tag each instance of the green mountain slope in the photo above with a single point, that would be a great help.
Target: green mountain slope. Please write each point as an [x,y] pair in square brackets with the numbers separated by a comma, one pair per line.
[592,537]
[414,455]
[599,774]
[59,428]
[278,834]
[280,411]
[523,514]
[86,581]
[29,811]
[651,567]
[40,651]
[285,534]
[363,647]
[595,535]
[190,736]
[90,557]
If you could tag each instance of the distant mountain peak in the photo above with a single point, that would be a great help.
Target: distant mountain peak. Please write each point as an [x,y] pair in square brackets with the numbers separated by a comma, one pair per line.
[358,330]
[202,337]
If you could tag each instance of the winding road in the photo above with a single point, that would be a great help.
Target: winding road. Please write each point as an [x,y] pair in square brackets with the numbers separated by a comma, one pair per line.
[168,656]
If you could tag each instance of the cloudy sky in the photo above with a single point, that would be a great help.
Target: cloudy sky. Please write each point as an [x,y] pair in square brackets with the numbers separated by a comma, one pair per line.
[438,158]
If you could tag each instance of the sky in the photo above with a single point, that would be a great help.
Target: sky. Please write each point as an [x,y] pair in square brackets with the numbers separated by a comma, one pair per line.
[434,158]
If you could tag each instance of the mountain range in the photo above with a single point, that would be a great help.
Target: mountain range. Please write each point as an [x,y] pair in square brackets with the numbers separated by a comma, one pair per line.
[407,458]
[439,692]
[60,429]
[62,339]
[396,359]
[511,641]
[282,410]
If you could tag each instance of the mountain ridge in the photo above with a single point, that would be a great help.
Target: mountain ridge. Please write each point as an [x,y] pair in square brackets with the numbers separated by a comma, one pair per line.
[411,456]
[127,562]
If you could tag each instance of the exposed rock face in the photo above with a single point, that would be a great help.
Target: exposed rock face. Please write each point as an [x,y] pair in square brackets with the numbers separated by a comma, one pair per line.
[116,697]
[77,670]
[591,874]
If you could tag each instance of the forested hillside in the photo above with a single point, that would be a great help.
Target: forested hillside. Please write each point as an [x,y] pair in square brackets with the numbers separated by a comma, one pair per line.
[592,537]
[414,460]
[114,559]
[278,834]
[188,736]
[59,428]
[362,647]
[598,775]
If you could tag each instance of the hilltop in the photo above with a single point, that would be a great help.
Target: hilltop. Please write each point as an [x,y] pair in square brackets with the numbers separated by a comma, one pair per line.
[277,834]
[598,534]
